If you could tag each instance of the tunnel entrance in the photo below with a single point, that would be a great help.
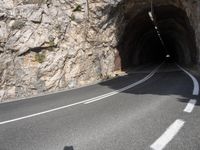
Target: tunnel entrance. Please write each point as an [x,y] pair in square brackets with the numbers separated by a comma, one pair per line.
[140,44]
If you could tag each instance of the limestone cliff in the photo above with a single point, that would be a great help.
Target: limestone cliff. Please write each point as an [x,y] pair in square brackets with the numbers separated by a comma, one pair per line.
[46,45]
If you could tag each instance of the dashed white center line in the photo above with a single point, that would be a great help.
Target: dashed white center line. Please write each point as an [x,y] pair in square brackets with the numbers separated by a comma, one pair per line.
[168,135]
[190,106]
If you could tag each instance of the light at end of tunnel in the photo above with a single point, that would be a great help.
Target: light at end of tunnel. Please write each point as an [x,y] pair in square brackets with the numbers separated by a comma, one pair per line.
[151,16]
[168,56]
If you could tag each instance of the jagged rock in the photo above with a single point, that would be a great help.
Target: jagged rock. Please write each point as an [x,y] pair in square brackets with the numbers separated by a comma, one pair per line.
[7,4]
[25,11]
[36,16]
[46,19]
[3,32]
[3,16]
[78,17]
[1,94]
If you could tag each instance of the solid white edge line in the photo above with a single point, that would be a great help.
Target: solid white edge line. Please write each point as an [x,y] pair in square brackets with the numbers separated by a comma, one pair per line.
[168,135]
[85,101]
[190,106]
[195,82]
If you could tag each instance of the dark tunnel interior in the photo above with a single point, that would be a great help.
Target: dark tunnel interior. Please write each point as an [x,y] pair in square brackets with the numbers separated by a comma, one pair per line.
[140,43]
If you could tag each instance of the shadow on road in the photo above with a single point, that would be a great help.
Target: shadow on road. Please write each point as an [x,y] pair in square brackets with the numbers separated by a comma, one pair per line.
[68,148]
[163,83]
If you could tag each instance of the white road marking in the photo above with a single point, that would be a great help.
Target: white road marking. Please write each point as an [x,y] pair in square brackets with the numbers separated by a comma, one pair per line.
[123,89]
[195,82]
[40,113]
[190,106]
[85,101]
[168,135]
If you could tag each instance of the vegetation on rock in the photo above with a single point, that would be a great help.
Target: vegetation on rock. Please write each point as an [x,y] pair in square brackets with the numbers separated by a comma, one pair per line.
[40,57]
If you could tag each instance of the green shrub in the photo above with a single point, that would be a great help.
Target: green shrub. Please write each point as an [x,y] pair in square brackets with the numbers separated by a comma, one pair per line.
[39,57]
[51,43]
[18,24]
[78,8]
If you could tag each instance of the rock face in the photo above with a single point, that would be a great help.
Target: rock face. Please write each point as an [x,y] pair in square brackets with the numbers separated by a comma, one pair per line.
[47,45]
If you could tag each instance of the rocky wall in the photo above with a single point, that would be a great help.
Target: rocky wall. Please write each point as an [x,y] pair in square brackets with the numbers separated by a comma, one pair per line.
[47,45]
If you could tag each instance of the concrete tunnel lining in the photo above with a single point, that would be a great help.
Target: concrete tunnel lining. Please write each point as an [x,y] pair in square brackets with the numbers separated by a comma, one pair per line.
[140,44]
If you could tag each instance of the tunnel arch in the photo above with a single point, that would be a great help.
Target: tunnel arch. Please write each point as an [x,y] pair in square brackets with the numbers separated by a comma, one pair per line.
[139,43]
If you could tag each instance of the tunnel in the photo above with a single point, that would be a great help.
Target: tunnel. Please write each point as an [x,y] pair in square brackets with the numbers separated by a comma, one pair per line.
[140,43]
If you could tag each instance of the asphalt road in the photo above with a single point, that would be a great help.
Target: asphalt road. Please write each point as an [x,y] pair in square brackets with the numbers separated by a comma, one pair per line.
[111,115]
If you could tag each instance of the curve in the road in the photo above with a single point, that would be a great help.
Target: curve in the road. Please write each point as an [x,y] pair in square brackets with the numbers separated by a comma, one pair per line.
[88,100]
[195,82]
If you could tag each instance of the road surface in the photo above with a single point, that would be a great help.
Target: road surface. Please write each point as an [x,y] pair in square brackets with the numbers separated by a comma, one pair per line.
[153,108]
